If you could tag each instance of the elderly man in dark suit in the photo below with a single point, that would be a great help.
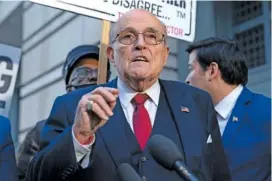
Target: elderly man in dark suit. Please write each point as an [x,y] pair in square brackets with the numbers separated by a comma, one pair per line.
[79,70]
[90,132]
[8,169]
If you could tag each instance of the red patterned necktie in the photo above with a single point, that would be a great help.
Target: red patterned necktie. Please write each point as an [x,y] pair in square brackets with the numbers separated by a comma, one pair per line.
[141,121]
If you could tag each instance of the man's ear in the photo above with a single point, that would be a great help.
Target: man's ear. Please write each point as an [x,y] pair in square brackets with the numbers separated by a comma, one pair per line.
[213,70]
[110,54]
[167,50]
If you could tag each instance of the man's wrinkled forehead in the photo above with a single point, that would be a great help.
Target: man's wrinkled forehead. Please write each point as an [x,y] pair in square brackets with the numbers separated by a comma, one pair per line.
[139,19]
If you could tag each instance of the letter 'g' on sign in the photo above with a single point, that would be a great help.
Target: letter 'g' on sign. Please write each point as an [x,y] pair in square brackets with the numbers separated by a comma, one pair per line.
[5,80]
[10,57]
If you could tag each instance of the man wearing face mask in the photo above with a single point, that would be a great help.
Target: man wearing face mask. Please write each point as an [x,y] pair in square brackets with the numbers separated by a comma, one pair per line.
[80,70]
[90,132]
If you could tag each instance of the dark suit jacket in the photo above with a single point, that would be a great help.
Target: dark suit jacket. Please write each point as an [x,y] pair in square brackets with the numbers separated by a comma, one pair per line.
[57,160]
[247,138]
[29,148]
[8,169]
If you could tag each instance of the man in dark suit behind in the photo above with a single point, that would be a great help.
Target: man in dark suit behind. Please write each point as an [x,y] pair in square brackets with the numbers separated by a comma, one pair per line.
[219,67]
[90,132]
[8,169]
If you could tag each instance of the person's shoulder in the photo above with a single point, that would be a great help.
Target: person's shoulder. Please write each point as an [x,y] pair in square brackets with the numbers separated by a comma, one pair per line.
[259,112]
[260,98]
[40,123]
[77,94]
[186,89]
[5,126]
[71,99]
[261,103]
[256,98]
[39,126]
[4,123]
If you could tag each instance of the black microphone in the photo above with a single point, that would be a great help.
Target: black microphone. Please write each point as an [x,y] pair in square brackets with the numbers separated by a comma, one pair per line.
[167,154]
[127,173]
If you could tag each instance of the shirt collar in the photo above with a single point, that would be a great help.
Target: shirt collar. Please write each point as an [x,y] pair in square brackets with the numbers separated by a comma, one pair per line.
[126,94]
[225,106]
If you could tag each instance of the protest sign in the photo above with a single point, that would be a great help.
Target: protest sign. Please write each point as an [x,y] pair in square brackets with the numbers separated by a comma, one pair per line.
[9,64]
[178,15]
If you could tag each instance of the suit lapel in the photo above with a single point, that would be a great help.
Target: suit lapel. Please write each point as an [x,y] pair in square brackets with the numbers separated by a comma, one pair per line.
[113,133]
[237,117]
[189,129]
[164,122]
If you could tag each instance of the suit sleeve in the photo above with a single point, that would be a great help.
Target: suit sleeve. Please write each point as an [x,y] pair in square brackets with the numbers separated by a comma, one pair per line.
[56,159]
[218,157]
[27,150]
[8,169]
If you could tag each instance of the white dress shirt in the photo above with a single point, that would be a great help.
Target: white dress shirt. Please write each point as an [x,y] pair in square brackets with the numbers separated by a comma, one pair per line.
[126,94]
[225,106]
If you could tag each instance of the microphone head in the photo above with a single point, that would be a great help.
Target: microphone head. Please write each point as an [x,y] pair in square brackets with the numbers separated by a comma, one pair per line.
[164,151]
[127,173]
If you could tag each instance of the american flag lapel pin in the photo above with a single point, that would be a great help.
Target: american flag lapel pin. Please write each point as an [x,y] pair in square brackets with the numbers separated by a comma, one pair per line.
[235,119]
[184,109]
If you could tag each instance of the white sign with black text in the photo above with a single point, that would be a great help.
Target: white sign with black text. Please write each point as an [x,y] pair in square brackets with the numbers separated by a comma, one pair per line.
[9,64]
[179,16]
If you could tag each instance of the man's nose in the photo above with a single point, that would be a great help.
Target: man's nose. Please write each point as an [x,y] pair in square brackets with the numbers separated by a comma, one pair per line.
[140,42]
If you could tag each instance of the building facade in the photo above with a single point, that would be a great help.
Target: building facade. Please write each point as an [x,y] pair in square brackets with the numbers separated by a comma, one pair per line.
[46,35]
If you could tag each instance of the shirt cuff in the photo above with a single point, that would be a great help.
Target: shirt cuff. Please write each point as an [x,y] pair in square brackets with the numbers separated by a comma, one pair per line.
[82,150]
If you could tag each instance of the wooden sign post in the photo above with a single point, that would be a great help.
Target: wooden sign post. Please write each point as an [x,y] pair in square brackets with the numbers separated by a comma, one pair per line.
[103,60]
